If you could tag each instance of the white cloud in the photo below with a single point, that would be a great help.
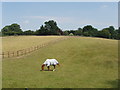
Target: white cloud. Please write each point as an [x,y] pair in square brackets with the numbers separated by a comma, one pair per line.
[26,22]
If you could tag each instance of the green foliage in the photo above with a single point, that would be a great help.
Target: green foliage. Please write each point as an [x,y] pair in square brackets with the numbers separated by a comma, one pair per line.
[28,32]
[71,34]
[0,34]
[112,32]
[50,28]
[118,34]
[66,33]
[79,32]
[13,29]
[89,31]
[109,32]
[104,33]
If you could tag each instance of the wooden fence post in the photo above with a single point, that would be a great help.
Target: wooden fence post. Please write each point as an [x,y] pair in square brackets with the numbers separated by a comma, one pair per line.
[13,53]
[31,49]
[21,52]
[41,46]
[3,55]
[17,53]
[8,54]
[37,47]
[25,51]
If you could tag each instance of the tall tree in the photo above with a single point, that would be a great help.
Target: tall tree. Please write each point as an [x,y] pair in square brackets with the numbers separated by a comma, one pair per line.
[66,33]
[50,28]
[118,33]
[89,31]
[112,32]
[108,33]
[79,32]
[41,31]
[13,29]
[104,33]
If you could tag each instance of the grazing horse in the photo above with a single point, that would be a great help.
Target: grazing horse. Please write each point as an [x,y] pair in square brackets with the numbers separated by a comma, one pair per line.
[48,63]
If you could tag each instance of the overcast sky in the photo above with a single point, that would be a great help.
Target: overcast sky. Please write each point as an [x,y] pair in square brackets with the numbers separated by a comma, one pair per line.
[68,15]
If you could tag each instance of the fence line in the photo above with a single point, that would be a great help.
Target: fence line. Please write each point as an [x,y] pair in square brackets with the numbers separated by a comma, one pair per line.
[29,50]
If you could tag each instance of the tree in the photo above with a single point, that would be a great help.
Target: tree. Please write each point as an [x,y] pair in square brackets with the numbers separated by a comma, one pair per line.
[104,33]
[108,33]
[28,32]
[66,33]
[71,31]
[118,34]
[5,30]
[41,31]
[112,32]
[50,28]
[0,34]
[13,29]
[79,32]
[89,31]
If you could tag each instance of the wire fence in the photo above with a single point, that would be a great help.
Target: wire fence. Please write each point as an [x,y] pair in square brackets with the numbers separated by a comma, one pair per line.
[26,51]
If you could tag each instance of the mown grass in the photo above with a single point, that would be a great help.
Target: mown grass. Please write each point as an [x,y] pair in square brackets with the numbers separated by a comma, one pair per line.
[14,43]
[85,63]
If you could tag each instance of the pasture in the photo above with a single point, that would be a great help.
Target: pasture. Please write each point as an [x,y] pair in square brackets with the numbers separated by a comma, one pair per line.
[85,63]
[14,43]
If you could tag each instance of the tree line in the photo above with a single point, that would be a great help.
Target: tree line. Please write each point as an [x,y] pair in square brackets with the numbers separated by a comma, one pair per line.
[51,28]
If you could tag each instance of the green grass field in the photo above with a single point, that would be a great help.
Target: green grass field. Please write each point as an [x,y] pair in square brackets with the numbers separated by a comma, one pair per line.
[85,63]
[15,43]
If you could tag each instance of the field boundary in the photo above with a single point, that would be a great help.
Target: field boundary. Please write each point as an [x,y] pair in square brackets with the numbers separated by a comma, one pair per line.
[23,52]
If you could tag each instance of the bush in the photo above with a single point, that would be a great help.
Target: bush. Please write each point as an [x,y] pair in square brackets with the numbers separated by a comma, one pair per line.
[71,34]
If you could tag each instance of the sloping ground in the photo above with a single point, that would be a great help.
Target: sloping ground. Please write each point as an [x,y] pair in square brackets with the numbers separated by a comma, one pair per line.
[14,43]
[85,63]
